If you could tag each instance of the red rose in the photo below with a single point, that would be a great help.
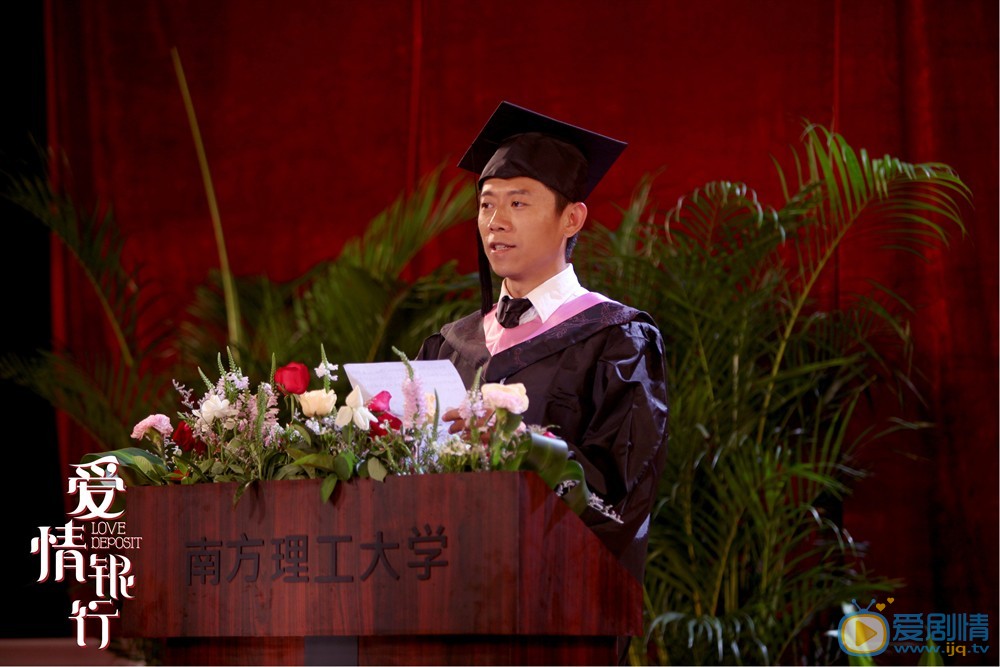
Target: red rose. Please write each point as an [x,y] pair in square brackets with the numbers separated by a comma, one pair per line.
[388,420]
[292,378]
[379,405]
[185,439]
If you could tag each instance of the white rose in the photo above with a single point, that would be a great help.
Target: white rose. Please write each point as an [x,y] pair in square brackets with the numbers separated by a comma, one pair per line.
[511,397]
[215,407]
[318,403]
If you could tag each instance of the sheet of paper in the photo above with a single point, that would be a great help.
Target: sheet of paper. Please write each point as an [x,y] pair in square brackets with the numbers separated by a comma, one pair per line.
[435,376]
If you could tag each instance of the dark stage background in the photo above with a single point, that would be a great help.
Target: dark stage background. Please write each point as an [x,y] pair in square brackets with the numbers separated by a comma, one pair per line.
[316,115]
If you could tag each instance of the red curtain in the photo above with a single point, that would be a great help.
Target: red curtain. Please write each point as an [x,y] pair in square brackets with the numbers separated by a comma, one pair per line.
[317,114]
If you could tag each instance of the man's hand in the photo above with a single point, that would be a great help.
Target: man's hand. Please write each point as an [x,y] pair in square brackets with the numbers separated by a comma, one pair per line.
[458,424]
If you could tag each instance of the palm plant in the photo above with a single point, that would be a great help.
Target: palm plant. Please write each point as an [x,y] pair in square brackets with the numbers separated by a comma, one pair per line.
[104,394]
[359,306]
[746,554]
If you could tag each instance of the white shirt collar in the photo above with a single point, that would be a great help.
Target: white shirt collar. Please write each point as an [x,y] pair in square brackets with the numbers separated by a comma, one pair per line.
[547,297]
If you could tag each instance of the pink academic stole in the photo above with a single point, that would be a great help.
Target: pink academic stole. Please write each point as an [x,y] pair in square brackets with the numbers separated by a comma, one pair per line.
[499,339]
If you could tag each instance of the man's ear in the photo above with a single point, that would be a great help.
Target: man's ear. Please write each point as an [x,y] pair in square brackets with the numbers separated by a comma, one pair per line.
[573,217]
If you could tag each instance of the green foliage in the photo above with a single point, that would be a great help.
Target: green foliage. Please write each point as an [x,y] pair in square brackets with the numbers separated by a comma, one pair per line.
[234,433]
[105,398]
[95,242]
[104,394]
[746,560]
[359,305]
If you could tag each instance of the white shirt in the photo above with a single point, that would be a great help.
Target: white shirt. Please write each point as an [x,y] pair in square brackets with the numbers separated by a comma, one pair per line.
[547,297]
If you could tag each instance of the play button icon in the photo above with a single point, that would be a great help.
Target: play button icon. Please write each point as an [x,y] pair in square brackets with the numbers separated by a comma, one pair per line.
[863,633]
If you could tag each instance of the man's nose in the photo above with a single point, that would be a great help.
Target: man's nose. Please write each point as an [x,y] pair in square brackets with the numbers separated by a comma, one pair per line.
[498,220]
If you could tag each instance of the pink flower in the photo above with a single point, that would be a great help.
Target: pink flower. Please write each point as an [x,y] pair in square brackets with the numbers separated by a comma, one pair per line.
[384,420]
[160,423]
[472,408]
[380,402]
[414,404]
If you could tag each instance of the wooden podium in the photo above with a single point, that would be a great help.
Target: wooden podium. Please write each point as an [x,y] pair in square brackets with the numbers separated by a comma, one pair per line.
[476,568]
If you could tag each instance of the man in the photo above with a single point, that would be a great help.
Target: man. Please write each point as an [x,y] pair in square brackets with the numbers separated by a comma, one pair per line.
[593,368]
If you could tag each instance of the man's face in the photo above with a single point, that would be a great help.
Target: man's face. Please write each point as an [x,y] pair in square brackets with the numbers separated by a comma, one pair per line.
[523,235]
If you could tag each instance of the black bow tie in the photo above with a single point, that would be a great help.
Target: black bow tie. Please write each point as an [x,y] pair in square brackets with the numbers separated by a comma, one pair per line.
[510,310]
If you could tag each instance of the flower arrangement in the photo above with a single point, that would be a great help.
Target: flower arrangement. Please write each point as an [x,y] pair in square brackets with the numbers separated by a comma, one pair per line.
[234,432]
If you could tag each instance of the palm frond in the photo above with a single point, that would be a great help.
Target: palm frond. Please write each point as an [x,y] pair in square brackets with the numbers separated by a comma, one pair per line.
[267,326]
[744,556]
[395,235]
[357,306]
[94,240]
[104,392]
[105,399]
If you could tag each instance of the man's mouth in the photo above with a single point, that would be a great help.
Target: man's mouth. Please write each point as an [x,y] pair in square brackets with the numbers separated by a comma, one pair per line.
[499,247]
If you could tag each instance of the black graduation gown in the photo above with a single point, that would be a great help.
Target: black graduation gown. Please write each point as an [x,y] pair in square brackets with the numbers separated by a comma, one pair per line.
[598,381]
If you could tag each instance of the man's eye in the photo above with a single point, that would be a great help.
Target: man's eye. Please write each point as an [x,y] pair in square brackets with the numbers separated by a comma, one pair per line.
[485,205]
[518,204]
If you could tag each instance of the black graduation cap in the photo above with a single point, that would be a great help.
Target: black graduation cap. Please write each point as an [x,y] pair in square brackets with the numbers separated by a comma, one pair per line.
[519,142]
